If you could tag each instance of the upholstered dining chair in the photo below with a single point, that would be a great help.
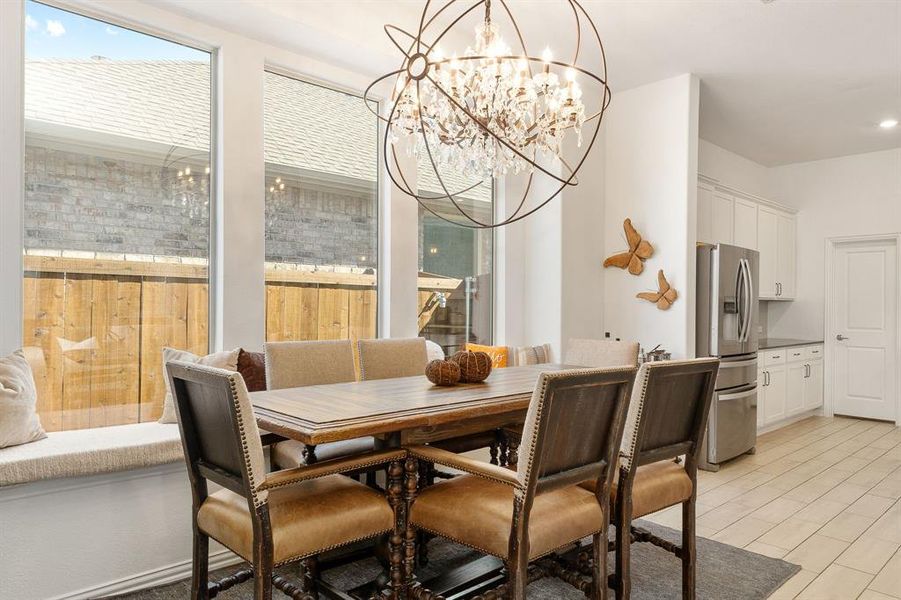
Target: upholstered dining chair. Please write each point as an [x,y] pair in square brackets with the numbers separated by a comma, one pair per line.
[667,418]
[299,364]
[601,353]
[572,434]
[395,357]
[268,519]
[579,353]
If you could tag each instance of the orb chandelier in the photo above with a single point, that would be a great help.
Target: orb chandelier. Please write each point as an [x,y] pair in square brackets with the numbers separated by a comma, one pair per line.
[490,112]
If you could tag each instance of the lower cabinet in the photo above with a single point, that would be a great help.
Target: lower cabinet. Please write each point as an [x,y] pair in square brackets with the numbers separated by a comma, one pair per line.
[773,393]
[813,385]
[790,382]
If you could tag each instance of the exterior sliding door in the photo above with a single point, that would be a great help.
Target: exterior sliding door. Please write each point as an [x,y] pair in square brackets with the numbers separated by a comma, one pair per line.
[117,215]
[321,151]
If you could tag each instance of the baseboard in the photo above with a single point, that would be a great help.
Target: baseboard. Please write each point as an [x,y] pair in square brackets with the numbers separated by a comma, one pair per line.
[149,579]
[813,412]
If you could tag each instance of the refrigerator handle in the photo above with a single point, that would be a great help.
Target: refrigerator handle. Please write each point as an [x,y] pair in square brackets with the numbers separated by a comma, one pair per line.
[739,298]
[749,298]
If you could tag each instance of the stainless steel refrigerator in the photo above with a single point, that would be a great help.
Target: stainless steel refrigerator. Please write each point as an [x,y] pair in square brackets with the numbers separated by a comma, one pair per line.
[727,328]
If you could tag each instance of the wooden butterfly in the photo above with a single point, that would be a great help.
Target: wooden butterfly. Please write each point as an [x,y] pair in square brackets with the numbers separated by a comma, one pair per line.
[665,297]
[639,251]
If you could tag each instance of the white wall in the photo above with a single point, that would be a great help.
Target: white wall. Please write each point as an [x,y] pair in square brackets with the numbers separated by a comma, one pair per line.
[852,195]
[583,244]
[550,263]
[733,170]
[651,177]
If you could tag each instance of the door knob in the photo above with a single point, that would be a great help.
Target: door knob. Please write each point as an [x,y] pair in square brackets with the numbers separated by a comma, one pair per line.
[841,338]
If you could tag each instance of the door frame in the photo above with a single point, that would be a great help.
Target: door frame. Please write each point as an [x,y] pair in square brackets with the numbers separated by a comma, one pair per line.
[829,358]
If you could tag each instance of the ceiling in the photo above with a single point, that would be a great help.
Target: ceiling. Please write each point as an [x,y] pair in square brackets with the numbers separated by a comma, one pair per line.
[781,82]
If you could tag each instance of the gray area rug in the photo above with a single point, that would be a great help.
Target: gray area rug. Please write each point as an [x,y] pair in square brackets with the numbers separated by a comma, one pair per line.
[724,573]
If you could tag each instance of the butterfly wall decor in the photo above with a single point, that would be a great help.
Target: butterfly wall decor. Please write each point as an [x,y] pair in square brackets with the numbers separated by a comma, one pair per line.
[639,251]
[664,297]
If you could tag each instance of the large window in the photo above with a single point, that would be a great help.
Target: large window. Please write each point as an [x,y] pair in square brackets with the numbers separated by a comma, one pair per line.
[321,151]
[455,264]
[117,217]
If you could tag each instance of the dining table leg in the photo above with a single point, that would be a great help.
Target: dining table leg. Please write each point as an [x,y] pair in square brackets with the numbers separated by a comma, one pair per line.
[411,487]
[396,540]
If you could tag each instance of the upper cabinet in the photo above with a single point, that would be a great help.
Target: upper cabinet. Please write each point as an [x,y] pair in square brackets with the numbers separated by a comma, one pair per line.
[731,217]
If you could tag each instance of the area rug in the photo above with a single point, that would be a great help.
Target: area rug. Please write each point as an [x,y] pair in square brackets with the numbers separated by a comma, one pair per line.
[724,573]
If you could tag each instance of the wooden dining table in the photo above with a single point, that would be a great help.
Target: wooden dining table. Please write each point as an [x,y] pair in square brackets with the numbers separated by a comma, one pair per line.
[404,411]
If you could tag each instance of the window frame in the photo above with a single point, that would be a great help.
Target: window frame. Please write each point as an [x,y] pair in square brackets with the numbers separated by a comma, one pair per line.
[214,229]
[382,239]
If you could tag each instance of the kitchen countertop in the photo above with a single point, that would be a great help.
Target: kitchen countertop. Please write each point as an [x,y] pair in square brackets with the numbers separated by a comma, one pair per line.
[772,343]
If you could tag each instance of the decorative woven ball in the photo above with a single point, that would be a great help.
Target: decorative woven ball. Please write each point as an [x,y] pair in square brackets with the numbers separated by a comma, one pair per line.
[475,367]
[443,372]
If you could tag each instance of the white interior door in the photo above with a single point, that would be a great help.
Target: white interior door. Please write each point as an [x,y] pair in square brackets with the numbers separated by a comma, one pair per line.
[863,329]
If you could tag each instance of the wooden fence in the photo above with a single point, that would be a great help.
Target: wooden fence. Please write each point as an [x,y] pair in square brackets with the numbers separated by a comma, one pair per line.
[94,329]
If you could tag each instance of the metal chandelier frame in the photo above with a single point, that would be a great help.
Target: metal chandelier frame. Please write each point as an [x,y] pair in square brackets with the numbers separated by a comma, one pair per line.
[418,51]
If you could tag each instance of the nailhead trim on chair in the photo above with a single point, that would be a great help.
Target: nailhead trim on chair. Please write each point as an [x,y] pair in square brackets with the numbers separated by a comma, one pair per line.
[645,373]
[259,496]
[466,469]
[546,378]
[400,454]
[332,547]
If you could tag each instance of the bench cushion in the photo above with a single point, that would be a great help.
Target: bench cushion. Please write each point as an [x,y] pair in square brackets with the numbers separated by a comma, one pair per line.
[86,452]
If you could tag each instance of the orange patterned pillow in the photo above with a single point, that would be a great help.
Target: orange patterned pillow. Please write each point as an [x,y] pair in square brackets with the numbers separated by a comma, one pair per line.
[499,354]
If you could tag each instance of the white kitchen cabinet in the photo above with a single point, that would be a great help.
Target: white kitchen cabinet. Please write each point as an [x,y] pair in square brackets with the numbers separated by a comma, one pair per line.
[767,245]
[789,381]
[761,377]
[745,224]
[736,218]
[722,217]
[705,213]
[773,393]
[786,262]
[796,380]
[813,385]
[776,232]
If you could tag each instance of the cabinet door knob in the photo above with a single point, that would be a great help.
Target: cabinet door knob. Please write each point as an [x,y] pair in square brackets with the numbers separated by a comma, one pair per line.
[841,338]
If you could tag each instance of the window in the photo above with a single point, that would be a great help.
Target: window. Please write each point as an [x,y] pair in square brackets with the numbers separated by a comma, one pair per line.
[117,215]
[321,151]
[455,265]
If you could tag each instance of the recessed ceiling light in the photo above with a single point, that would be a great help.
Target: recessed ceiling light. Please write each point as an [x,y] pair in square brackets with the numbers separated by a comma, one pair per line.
[888,123]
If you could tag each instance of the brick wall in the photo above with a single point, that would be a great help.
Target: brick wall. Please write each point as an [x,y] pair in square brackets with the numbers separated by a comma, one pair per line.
[77,201]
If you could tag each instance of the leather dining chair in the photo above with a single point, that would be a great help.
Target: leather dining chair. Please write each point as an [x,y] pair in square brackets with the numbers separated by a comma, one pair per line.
[601,353]
[573,431]
[299,364]
[268,519]
[667,419]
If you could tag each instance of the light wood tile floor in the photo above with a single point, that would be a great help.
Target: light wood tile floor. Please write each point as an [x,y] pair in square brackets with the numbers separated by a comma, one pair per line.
[824,493]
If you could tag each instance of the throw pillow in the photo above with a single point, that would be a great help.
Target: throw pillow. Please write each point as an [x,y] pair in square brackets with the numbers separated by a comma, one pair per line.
[252,367]
[532,355]
[499,354]
[227,360]
[19,421]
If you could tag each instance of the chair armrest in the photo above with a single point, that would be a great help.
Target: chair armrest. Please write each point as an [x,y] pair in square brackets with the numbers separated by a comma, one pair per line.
[344,464]
[465,464]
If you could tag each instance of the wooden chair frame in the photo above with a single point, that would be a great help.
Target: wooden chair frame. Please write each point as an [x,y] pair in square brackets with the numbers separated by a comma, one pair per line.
[242,481]
[543,471]
[648,450]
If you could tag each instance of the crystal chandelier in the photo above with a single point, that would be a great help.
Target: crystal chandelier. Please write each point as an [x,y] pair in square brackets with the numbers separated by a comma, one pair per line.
[491,112]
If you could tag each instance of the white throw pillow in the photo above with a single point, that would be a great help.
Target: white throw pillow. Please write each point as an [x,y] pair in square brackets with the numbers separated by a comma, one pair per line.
[19,421]
[227,360]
